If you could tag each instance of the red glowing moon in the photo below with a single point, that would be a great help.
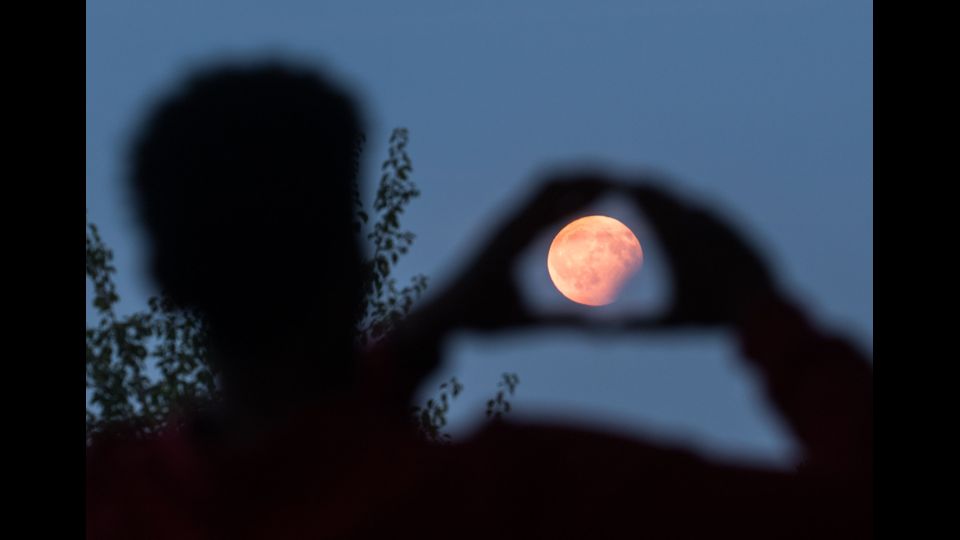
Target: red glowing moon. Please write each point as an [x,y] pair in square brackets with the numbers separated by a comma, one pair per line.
[592,258]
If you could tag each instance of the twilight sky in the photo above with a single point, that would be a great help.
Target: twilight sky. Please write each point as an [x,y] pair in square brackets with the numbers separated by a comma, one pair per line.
[764,108]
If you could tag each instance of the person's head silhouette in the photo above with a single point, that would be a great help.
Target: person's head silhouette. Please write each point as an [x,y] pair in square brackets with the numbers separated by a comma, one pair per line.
[244,182]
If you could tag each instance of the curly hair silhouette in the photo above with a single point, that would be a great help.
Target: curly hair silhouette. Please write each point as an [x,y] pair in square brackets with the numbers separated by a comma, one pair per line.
[243,180]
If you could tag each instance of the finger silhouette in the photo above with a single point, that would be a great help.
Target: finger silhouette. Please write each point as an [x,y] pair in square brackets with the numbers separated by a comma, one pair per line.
[487,297]
[713,269]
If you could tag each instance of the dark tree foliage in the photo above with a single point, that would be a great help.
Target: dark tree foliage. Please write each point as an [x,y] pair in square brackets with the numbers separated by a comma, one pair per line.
[385,302]
[499,406]
[141,367]
[150,366]
[433,415]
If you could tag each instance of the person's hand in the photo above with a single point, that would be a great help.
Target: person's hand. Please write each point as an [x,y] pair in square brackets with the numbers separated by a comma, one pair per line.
[715,273]
[485,297]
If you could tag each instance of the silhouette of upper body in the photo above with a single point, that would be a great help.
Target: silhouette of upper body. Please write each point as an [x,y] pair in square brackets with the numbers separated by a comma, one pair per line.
[244,183]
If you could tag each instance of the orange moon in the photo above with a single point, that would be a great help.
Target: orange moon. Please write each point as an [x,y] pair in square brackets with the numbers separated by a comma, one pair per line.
[592,258]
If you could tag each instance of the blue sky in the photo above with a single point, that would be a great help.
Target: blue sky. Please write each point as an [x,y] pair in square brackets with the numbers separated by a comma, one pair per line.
[764,108]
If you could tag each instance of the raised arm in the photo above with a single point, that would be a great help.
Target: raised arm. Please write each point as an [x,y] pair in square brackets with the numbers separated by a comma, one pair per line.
[556,481]
[484,297]
[820,384]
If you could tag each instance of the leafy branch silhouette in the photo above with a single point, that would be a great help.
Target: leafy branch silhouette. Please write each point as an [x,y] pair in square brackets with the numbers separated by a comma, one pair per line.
[149,366]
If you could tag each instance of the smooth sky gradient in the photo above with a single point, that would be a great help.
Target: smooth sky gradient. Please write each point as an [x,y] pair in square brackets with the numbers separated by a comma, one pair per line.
[763,107]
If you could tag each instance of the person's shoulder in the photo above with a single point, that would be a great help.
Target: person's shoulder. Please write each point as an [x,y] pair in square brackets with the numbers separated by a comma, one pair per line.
[141,484]
[119,456]
[118,439]
[553,444]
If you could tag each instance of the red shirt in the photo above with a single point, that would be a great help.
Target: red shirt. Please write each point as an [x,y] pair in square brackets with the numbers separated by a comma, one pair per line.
[346,471]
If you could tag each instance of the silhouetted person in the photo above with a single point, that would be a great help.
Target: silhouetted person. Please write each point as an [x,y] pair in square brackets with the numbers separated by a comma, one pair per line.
[244,182]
